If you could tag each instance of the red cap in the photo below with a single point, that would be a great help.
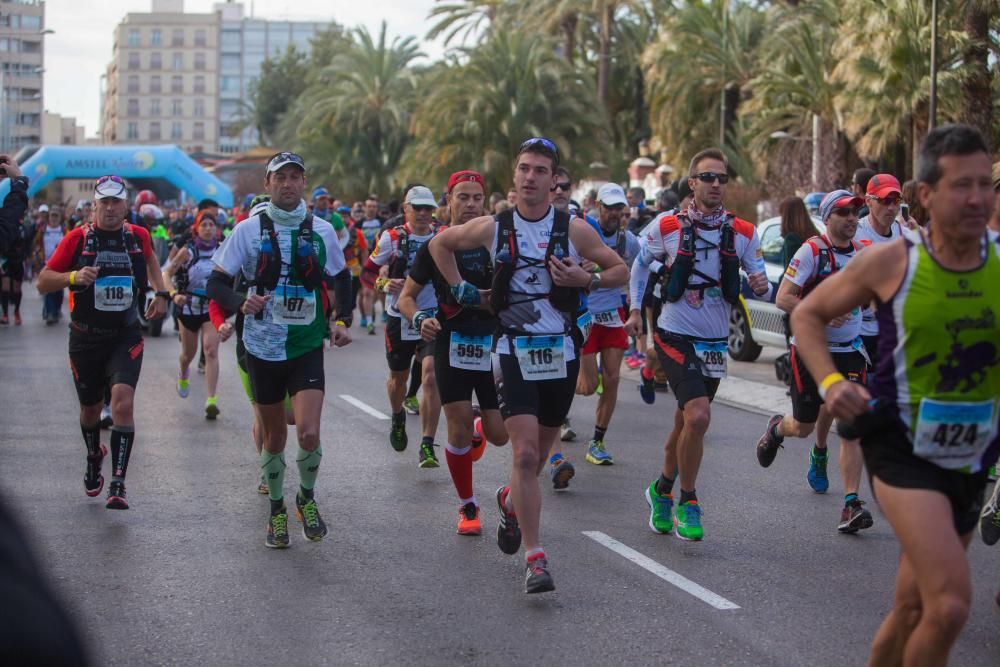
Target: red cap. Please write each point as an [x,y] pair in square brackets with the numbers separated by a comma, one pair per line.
[466,176]
[882,185]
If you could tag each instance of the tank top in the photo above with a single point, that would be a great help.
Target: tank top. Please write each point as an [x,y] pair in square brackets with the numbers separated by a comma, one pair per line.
[939,358]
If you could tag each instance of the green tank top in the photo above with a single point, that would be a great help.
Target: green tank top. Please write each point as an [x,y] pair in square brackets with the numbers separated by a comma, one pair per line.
[941,345]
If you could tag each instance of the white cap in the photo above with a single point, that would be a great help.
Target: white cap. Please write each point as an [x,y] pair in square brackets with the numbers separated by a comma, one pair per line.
[664,169]
[611,194]
[419,195]
[44,208]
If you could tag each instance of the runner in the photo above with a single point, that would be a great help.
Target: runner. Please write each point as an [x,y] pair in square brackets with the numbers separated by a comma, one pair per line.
[815,261]
[395,251]
[535,293]
[607,336]
[932,430]
[370,225]
[189,271]
[47,239]
[107,265]
[285,328]
[704,246]
[12,273]
[463,341]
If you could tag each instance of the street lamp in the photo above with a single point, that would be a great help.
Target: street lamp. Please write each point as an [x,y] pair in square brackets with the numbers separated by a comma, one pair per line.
[782,135]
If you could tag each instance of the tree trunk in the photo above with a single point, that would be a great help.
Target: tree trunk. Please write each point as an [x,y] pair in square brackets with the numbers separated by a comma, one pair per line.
[977,109]
[732,94]
[604,56]
[640,114]
[569,30]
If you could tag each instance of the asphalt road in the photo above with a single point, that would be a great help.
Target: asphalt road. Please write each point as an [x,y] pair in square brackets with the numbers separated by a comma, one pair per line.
[184,578]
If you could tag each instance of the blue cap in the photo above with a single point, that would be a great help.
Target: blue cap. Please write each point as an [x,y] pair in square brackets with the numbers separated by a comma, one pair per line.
[343,209]
[320,192]
[248,200]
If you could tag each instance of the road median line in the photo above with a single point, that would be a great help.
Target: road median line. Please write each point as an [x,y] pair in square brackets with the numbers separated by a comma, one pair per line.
[364,407]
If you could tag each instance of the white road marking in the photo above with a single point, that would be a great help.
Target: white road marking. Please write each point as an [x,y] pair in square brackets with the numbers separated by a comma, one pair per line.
[364,407]
[663,572]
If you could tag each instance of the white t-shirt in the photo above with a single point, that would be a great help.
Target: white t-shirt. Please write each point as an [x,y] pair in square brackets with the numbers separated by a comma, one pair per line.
[867,232]
[802,270]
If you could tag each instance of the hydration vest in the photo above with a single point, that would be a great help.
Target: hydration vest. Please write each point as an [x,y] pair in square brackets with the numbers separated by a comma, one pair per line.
[827,264]
[83,299]
[400,237]
[677,279]
[304,260]
[563,299]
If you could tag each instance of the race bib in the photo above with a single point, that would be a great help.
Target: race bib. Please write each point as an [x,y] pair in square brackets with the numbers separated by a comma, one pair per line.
[407,331]
[541,357]
[609,318]
[293,305]
[953,435]
[113,293]
[713,358]
[585,323]
[470,353]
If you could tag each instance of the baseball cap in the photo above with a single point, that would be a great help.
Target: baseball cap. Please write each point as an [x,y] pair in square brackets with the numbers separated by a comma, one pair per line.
[836,199]
[343,209]
[611,194]
[881,185]
[320,192]
[110,187]
[279,160]
[419,195]
[996,175]
[465,176]
[44,208]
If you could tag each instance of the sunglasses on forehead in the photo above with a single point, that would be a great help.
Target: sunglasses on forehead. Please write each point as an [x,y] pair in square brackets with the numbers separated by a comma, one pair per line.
[539,141]
[113,179]
[711,176]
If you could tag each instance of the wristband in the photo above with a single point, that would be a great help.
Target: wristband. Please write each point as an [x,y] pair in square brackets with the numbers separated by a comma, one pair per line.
[72,278]
[829,381]
[340,323]
[381,284]
[163,294]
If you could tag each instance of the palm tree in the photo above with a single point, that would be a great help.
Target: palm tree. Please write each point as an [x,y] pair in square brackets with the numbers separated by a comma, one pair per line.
[976,90]
[353,121]
[490,98]
[464,17]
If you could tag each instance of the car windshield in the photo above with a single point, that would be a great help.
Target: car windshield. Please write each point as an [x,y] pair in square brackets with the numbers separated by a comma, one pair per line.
[771,240]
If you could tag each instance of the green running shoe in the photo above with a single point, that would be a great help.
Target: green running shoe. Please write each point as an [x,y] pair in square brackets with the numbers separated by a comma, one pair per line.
[306,511]
[597,455]
[277,530]
[689,521]
[411,405]
[397,436]
[661,511]
[428,459]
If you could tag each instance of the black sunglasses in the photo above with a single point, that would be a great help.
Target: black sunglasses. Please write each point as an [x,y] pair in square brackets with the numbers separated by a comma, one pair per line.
[845,211]
[710,176]
[420,207]
[562,186]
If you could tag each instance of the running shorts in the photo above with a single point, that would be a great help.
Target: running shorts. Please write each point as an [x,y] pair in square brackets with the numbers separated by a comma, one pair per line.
[605,338]
[682,367]
[805,393]
[548,400]
[458,384]
[192,322]
[399,352]
[270,381]
[103,360]
[871,346]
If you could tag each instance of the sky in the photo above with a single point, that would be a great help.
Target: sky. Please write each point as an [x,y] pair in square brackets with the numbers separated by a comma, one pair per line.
[79,51]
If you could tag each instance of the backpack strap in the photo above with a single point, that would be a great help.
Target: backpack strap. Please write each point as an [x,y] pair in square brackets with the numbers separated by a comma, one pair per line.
[559,238]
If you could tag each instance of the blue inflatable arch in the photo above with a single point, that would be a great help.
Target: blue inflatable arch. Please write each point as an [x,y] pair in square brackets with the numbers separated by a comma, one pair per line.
[130,162]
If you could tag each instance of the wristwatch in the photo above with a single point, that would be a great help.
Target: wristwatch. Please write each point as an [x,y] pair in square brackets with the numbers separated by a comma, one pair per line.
[164,294]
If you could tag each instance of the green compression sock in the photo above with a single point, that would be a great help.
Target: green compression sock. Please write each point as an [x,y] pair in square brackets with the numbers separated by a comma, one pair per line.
[273,467]
[308,463]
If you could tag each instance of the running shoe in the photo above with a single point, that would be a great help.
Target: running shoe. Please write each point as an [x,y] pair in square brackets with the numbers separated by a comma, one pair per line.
[508,532]
[277,530]
[478,439]
[468,520]
[183,386]
[661,510]
[989,520]
[767,446]
[17,318]
[817,471]
[116,497]
[561,471]
[536,576]
[364,322]
[371,328]
[854,517]
[647,389]
[397,436]
[428,459]
[992,474]
[93,480]
[201,365]
[566,432]
[636,360]
[307,512]
[211,408]
[597,455]
[4,320]
[411,405]
[106,421]
[689,521]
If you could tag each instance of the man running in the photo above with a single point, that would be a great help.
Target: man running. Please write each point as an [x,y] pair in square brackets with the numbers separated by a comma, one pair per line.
[294,259]
[107,265]
[819,258]
[535,294]
[396,250]
[607,336]
[932,430]
[463,343]
[370,226]
[704,246]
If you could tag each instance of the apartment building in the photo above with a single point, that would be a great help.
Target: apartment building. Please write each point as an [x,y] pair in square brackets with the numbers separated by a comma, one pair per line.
[22,64]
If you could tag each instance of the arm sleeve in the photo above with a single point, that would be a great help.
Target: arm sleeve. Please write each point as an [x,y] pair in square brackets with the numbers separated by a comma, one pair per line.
[14,206]
[220,288]
[651,256]
[752,260]
[62,258]
[217,314]
[342,290]
[232,254]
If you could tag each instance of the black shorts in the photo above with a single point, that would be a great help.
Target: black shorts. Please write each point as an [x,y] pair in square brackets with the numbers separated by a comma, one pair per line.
[805,393]
[889,457]
[193,322]
[871,346]
[100,361]
[457,384]
[270,381]
[683,368]
[14,269]
[548,400]
[399,352]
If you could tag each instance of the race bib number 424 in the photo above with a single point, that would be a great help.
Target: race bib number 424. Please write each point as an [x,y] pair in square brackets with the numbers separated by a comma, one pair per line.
[954,435]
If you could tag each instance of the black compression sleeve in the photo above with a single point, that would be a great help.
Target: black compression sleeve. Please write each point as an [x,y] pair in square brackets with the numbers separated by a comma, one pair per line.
[342,291]
[220,289]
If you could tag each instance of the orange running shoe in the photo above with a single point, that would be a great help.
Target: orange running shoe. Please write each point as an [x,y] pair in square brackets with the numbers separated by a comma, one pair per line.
[468,520]
[478,440]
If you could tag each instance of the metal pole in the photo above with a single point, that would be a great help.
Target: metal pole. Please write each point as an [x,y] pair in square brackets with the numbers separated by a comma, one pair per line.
[3,111]
[815,152]
[932,119]
[722,102]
